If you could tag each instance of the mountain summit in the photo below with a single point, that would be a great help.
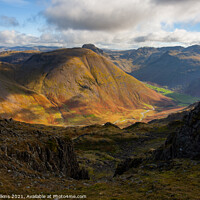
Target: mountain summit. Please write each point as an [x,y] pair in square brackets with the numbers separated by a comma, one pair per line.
[93,48]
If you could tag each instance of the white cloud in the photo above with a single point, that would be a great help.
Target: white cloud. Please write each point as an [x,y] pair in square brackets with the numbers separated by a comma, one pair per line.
[118,15]
[14,38]
[177,37]
[93,15]
[123,24]
[174,1]
[125,40]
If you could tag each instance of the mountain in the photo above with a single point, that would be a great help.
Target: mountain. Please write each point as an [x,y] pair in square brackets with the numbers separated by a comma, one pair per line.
[29,48]
[131,60]
[113,56]
[174,67]
[87,88]
[193,88]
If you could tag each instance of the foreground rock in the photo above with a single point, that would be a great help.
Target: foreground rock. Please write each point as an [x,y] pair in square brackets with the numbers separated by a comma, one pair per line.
[28,151]
[185,143]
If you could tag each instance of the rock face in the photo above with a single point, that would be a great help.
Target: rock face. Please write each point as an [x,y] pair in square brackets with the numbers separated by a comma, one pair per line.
[30,151]
[185,143]
[93,48]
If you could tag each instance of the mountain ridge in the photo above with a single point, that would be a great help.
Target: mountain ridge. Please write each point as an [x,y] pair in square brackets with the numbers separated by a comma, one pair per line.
[174,67]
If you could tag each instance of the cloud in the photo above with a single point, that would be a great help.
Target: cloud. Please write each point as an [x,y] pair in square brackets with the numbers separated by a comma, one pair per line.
[8,21]
[179,36]
[114,24]
[117,15]
[96,15]
[125,40]
[177,11]
[174,1]
[14,38]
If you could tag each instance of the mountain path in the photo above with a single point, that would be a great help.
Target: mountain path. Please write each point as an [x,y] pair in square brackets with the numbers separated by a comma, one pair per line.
[143,113]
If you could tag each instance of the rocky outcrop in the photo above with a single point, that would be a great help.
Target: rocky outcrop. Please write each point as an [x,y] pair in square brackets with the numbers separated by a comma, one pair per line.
[25,149]
[185,143]
[93,48]
[109,124]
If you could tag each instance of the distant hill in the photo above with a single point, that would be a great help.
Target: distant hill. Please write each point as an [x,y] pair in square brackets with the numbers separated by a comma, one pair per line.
[131,60]
[16,57]
[29,48]
[175,67]
[86,87]
[194,88]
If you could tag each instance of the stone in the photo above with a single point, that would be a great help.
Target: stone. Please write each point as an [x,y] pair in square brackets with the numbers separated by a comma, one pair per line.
[47,154]
[185,142]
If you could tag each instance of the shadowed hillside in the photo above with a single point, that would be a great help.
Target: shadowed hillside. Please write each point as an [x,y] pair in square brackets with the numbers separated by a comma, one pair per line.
[193,88]
[174,67]
[16,57]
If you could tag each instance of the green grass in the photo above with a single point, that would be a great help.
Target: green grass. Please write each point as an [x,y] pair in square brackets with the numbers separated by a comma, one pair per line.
[180,99]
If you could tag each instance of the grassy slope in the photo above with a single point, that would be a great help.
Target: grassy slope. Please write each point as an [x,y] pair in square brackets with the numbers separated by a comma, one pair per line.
[23,104]
[181,99]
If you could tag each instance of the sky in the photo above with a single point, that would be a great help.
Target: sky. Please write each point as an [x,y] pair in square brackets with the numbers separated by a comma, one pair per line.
[114,24]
